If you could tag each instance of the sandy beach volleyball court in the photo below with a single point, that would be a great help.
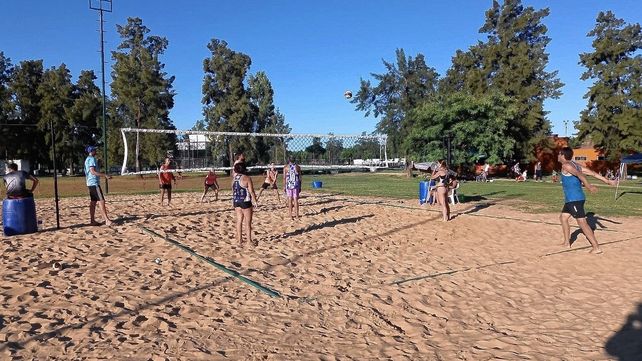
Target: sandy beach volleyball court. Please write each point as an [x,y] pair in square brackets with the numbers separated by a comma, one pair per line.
[359,278]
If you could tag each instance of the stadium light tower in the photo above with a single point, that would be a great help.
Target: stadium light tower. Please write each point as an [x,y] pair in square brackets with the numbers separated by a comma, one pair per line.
[103,6]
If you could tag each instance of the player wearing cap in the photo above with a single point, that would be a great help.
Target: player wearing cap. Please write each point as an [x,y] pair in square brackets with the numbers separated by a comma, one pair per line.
[92,176]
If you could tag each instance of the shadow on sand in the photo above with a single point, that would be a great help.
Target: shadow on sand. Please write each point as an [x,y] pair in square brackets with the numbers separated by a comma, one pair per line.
[626,343]
[479,197]
[594,222]
[327,224]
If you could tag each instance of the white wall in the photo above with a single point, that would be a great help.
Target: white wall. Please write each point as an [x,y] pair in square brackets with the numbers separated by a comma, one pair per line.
[23,164]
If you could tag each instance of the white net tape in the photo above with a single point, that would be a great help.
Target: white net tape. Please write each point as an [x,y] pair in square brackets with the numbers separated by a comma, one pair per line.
[199,151]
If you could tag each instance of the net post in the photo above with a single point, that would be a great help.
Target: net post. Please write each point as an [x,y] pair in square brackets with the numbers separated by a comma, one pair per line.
[385,149]
[123,170]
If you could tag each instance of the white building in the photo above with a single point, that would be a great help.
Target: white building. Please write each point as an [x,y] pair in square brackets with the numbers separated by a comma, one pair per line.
[196,142]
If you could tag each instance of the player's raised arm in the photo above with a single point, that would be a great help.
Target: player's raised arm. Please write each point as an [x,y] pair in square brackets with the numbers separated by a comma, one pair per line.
[596,175]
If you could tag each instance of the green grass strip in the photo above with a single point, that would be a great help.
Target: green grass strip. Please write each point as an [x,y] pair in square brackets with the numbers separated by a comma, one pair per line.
[258,286]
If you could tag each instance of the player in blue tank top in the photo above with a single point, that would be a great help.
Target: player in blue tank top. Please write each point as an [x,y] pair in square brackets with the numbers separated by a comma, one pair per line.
[573,177]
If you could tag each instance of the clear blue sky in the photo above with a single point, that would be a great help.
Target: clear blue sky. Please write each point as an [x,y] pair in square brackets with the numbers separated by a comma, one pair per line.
[312,51]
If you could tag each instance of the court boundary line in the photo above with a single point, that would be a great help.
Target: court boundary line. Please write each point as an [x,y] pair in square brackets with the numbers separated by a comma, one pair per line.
[270,292]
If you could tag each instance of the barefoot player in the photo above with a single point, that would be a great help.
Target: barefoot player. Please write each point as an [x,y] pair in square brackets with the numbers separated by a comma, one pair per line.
[271,176]
[211,181]
[572,180]
[165,181]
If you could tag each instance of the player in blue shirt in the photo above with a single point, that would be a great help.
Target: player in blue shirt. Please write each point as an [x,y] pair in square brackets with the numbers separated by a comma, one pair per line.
[93,184]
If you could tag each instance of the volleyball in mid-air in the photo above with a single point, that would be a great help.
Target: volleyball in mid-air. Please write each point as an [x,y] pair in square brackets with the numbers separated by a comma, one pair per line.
[348,94]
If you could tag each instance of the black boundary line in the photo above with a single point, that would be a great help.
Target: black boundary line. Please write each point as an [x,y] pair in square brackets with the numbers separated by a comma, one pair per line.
[587,247]
[445,273]
[464,213]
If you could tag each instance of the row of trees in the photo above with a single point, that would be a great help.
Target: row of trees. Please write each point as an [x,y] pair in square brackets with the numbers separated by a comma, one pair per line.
[32,99]
[491,100]
[338,151]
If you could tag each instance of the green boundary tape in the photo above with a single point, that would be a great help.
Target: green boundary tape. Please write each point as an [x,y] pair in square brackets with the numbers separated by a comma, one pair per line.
[258,286]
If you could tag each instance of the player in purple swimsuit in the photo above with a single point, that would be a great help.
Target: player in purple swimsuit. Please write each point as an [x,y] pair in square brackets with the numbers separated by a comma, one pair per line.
[292,186]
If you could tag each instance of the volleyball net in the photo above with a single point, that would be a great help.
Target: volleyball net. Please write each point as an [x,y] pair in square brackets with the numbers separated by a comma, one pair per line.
[198,151]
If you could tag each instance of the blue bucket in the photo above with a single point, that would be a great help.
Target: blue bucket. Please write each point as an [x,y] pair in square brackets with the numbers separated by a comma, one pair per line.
[317,184]
[19,216]
[424,190]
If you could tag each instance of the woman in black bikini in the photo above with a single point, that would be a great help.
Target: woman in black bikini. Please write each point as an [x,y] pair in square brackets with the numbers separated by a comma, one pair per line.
[244,201]
[442,181]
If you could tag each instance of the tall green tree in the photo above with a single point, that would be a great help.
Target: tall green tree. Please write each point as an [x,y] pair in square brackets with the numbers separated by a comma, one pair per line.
[262,100]
[315,150]
[334,148]
[142,92]
[263,110]
[469,71]
[405,84]
[84,116]
[278,146]
[513,62]
[517,43]
[227,106]
[613,117]
[56,98]
[29,141]
[6,106]
[478,125]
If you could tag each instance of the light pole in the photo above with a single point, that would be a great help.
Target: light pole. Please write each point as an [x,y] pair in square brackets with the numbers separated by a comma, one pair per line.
[566,128]
[103,6]
[448,137]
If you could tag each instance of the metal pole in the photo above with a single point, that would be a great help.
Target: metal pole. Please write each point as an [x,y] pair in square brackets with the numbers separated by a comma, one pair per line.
[102,67]
[449,152]
[53,149]
[101,7]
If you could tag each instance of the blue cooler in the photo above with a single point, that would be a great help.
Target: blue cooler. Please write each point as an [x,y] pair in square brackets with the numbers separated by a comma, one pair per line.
[317,184]
[19,216]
